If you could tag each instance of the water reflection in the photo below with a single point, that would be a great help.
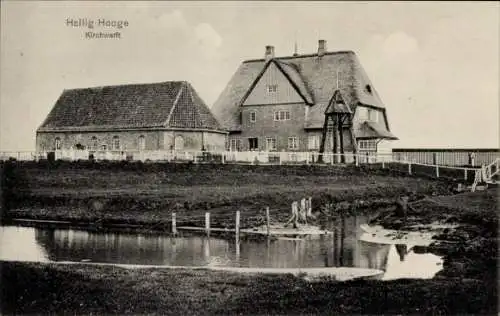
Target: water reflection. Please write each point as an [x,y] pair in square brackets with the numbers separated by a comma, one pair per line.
[342,248]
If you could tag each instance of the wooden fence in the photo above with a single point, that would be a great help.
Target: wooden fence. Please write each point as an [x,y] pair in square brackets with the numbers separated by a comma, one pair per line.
[445,156]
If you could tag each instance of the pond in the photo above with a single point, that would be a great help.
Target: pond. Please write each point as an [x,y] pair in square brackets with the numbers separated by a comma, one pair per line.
[341,249]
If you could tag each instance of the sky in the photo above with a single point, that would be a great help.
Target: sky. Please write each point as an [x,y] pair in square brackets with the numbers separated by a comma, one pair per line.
[434,64]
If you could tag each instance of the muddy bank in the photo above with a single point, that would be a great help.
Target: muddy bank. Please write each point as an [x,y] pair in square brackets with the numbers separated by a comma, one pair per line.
[470,249]
[50,288]
[103,194]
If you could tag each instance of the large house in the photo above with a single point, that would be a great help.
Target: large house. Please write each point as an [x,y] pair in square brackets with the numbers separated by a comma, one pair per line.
[279,103]
[128,118]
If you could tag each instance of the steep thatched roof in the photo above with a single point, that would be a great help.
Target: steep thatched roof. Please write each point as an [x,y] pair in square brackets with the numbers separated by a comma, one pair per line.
[172,104]
[313,75]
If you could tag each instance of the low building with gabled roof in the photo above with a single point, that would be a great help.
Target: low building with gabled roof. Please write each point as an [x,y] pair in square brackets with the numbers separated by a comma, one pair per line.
[154,116]
[279,103]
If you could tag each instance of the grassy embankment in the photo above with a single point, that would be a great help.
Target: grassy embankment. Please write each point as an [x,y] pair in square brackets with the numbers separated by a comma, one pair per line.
[147,194]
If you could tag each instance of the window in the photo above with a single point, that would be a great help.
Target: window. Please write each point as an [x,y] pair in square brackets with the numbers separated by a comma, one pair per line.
[94,143]
[116,143]
[372,115]
[270,143]
[282,115]
[179,143]
[253,143]
[104,147]
[253,116]
[58,143]
[362,113]
[293,143]
[272,88]
[313,142]
[369,144]
[142,142]
[368,89]
[235,144]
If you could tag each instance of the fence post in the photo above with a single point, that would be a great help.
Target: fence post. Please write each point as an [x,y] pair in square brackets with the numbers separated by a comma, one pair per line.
[383,162]
[409,168]
[268,221]
[357,160]
[437,171]
[207,222]
[465,174]
[223,157]
[307,157]
[194,156]
[237,225]
[309,206]
[174,224]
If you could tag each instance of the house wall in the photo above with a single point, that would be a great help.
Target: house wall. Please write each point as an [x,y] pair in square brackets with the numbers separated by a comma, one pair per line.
[265,126]
[129,140]
[192,140]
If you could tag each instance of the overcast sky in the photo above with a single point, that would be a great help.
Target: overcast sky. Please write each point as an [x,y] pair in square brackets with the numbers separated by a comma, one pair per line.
[435,65]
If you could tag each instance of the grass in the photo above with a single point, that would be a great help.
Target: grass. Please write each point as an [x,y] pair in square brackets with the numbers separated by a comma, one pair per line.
[81,289]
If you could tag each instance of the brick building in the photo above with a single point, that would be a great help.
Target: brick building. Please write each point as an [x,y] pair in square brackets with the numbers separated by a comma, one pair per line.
[128,118]
[279,103]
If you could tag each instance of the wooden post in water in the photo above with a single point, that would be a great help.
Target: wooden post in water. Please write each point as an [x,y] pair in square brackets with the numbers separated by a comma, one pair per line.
[465,174]
[409,168]
[237,225]
[207,222]
[268,224]
[174,224]
[437,171]
[309,206]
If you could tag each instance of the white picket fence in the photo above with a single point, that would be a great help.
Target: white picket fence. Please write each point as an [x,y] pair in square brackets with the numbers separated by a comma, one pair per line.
[248,157]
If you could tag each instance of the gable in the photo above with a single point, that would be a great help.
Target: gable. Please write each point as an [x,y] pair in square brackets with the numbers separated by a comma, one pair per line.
[272,77]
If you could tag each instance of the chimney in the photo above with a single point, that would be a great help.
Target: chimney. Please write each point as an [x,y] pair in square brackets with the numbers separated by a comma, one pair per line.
[269,52]
[321,47]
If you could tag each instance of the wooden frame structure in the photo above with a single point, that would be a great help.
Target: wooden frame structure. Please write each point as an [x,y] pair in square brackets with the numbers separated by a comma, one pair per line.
[339,112]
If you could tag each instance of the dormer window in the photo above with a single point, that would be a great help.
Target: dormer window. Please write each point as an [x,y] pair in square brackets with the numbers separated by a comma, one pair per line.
[273,88]
[368,89]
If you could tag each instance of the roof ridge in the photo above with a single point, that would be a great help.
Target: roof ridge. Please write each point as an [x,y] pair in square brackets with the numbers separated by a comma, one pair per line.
[302,56]
[124,85]
[177,97]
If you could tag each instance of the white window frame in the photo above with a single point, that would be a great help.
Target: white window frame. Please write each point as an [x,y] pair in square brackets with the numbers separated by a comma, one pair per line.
[272,88]
[253,116]
[313,142]
[58,143]
[281,115]
[234,144]
[116,143]
[293,143]
[367,145]
[372,115]
[94,143]
[271,141]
